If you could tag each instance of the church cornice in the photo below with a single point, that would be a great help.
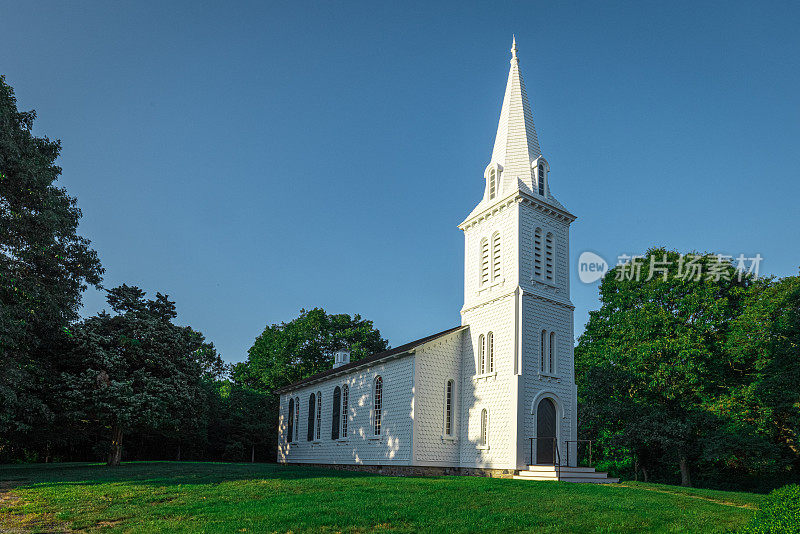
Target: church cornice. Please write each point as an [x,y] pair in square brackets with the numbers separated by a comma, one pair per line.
[488,301]
[525,293]
[566,305]
[545,207]
[517,197]
[497,207]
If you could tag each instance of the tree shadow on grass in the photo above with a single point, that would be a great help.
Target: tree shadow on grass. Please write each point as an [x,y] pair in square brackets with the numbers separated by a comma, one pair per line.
[162,473]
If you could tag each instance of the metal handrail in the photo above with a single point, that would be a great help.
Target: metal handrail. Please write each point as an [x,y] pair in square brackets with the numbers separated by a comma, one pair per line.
[556,455]
[557,452]
[576,442]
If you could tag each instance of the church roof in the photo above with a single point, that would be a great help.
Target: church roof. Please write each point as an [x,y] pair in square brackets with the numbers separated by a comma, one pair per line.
[398,351]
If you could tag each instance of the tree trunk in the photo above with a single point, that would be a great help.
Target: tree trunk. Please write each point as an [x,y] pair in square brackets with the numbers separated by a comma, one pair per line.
[644,473]
[253,453]
[686,479]
[115,454]
[179,453]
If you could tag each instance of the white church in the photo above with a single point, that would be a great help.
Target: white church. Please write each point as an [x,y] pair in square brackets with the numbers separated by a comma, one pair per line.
[495,396]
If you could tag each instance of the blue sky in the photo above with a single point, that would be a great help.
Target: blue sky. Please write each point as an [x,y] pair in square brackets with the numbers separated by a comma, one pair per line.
[254,159]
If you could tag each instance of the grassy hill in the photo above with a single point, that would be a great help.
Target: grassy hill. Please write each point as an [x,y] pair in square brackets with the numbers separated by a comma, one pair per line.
[217,497]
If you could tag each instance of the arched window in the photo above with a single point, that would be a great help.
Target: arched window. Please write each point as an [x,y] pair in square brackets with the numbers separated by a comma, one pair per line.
[492,184]
[490,352]
[537,253]
[290,430]
[552,362]
[541,179]
[336,417]
[543,351]
[319,413]
[483,266]
[378,406]
[482,354]
[448,408]
[549,254]
[484,428]
[297,419]
[496,256]
[345,395]
[312,404]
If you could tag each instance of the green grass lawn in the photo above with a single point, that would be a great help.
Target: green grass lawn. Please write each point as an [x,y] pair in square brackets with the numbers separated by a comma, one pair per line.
[217,497]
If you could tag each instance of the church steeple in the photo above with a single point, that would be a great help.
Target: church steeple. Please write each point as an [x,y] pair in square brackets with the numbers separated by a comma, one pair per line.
[516,145]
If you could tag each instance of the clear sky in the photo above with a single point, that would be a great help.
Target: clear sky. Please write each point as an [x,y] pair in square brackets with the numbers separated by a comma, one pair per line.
[254,159]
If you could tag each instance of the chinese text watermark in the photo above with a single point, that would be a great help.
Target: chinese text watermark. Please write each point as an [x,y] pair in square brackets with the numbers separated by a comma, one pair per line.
[687,267]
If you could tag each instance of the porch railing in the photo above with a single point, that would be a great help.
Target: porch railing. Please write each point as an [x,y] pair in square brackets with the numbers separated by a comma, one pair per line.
[557,452]
[577,443]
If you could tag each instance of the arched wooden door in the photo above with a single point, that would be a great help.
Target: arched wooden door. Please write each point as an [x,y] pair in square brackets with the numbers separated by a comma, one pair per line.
[545,432]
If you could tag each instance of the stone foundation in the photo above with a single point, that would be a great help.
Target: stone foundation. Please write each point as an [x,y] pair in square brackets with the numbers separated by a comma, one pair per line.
[414,470]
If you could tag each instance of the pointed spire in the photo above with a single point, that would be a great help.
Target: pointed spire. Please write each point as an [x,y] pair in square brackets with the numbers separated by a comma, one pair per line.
[516,145]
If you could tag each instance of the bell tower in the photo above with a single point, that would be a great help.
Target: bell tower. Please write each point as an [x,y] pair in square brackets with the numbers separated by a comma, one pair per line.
[518,355]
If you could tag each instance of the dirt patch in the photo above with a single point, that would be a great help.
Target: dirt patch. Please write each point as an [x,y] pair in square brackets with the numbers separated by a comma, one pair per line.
[13,520]
[113,523]
[8,499]
[698,497]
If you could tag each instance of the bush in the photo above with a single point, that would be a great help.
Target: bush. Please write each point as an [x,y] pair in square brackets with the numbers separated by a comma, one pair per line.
[779,514]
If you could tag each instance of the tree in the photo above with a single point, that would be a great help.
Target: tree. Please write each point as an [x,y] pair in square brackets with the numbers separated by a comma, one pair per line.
[764,342]
[240,422]
[652,359]
[288,352]
[136,371]
[44,267]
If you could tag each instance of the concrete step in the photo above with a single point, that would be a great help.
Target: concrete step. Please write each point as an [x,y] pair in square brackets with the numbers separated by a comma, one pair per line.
[564,476]
[564,468]
[603,480]
[584,475]
[565,473]
[536,474]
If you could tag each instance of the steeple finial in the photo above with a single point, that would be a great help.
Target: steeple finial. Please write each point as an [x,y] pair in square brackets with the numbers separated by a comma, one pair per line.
[513,47]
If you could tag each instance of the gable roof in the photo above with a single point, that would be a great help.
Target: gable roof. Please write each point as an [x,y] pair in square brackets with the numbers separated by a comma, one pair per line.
[398,351]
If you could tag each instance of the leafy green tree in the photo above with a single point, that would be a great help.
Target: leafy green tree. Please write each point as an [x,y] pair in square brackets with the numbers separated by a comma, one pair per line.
[652,359]
[136,371]
[288,352]
[44,266]
[765,346]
